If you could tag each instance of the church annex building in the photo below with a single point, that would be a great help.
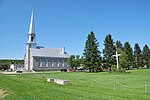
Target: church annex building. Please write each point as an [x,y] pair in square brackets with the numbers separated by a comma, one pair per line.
[39,58]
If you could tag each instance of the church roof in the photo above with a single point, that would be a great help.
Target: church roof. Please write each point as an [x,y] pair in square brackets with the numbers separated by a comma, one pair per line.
[48,52]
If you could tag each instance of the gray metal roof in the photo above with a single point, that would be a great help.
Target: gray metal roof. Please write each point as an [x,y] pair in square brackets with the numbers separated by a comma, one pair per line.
[48,52]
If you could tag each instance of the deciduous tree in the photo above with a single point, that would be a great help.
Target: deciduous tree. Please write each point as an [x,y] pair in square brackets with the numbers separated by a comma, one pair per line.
[70,61]
[122,58]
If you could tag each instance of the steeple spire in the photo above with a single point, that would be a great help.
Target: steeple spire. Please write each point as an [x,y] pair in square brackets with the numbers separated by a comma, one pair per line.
[31,34]
[31,30]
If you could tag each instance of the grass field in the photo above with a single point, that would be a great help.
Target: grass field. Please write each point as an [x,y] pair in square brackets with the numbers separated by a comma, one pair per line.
[83,86]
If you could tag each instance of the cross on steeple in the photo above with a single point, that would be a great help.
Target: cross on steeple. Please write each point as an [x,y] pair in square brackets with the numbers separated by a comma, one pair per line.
[117,56]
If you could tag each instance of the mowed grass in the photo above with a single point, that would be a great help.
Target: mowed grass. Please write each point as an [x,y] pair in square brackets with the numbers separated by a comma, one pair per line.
[83,86]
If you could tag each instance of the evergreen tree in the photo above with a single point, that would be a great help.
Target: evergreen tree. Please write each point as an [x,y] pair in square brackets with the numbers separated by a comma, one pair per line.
[129,51]
[108,51]
[137,56]
[146,56]
[87,53]
[119,44]
[91,54]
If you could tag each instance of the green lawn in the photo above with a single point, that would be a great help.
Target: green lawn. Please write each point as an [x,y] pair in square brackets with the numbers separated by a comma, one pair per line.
[83,86]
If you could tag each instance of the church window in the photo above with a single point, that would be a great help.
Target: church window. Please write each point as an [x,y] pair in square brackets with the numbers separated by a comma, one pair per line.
[40,63]
[63,64]
[55,63]
[58,63]
[46,63]
[43,63]
[32,38]
[52,63]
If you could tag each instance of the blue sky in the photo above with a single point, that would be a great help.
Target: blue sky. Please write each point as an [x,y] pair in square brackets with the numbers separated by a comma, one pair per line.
[67,23]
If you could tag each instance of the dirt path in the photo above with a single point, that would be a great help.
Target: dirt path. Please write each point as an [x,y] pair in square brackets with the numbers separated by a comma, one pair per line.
[3,93]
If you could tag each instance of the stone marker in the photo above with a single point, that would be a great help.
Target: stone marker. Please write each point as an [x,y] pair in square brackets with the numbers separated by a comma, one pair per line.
[61,82]
[50,79]
[58,81]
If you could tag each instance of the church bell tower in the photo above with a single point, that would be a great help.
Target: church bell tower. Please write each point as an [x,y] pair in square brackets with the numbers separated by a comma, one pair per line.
[31,43]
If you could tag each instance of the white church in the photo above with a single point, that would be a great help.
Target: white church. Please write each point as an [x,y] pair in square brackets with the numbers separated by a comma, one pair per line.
[38,58]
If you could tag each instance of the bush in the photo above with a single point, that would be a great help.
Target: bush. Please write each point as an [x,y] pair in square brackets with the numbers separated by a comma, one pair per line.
[63,70]
[114,69]
[118,70]
[4,67]
[121,70]
[113,66]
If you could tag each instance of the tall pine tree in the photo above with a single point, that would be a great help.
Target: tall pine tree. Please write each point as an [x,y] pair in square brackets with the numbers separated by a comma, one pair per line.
[146,56]
[137,56]
[129,51]
[91,54]
[119,44]
[108,51]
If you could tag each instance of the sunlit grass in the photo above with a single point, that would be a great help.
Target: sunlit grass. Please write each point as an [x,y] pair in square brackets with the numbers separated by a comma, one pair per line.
[83,86]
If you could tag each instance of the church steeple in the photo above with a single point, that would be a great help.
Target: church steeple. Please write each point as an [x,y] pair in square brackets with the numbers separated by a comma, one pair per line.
[31,43]
[31,30]
[31,33]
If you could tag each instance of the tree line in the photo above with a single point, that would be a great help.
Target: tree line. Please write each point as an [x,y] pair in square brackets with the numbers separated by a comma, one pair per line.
[94,59]
[5,64]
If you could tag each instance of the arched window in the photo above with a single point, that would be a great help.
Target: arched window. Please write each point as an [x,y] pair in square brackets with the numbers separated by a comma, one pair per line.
[32,38]
[50,64]
[46,63]
[40,62]
[57,63]
[60,64]
[63,64]
[43,63]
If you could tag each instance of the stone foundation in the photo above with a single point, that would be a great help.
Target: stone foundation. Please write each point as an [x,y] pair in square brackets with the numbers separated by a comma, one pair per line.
[58,81]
